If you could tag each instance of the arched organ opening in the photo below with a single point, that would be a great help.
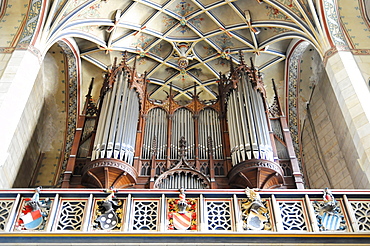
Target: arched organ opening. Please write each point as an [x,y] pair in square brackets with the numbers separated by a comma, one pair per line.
[130,140]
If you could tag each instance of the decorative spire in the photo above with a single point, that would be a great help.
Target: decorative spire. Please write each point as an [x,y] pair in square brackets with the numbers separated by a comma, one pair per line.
[134,67]
[275,109]
[115,62]
[91,108]
[124,58]
[241,58]
[231,67]
[252,65]
[90,88]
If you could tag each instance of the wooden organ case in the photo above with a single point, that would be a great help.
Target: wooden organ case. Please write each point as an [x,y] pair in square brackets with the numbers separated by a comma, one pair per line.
[129,140]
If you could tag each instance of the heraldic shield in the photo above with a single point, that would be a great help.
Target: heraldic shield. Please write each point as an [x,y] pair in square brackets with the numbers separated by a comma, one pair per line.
[32,220]
[256,221]
[108,220]
[331,222]
[181,221]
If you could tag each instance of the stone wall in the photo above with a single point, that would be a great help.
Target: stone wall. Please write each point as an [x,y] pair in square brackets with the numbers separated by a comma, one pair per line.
[322,154]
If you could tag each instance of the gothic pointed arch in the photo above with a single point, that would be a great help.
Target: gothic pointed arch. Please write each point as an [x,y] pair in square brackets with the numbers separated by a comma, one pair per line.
[332,26]
[182,176]
[73,80]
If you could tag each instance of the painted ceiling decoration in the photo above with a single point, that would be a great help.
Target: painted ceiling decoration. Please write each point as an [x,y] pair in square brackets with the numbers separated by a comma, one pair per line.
[183,43]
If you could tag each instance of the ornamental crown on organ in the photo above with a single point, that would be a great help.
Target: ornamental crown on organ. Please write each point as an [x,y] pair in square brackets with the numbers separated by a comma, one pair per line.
[130,140]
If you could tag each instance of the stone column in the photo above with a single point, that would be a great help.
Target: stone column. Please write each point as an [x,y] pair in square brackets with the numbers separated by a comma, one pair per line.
[353,98]
[20,105]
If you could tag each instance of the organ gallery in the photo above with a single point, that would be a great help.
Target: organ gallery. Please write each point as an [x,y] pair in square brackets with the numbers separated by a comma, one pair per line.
[130,140]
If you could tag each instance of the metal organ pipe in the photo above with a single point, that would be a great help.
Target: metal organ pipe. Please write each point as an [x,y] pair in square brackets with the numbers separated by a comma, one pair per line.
[115,105]
[181,179]
[230,118]
[103,112]
[249,135]
[98,142]
[116,131]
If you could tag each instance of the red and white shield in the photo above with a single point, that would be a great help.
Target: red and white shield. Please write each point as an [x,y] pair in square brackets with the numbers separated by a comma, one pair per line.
[182,221]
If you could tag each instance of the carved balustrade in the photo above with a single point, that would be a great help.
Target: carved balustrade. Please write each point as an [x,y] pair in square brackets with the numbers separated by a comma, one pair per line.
[233,212]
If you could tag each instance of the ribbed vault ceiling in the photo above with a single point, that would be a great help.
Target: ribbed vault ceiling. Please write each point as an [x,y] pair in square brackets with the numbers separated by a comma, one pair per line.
[183,42]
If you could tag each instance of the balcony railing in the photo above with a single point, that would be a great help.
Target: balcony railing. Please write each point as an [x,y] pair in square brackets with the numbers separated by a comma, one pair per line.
[82,215]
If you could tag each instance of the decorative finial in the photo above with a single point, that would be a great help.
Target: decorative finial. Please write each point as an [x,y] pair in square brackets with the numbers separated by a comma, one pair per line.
[90,88]
[115,62]
[124,58]
[171,96]
[91,108]
[241,58]
[252,65]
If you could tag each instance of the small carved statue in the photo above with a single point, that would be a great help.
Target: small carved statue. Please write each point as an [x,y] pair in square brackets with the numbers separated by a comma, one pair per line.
[182,213]
[255,214]
[34,213]
[328,213]
[107,212]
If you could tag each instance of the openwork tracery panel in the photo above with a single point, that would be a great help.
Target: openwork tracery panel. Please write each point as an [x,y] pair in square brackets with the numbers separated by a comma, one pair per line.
[219,215]
[145,168]
[204,167]
[292,213]
[160,167]
[361,210]
[145,215]
[5,208]
[71,215]
[219,168]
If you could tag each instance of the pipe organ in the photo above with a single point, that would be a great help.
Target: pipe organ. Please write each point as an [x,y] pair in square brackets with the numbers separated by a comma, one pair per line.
[140,142]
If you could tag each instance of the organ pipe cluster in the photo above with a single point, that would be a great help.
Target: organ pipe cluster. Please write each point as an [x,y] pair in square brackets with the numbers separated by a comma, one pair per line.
[209,127]
[155,134]
[182,179]
[247,122]
[116,131]
[183,125]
